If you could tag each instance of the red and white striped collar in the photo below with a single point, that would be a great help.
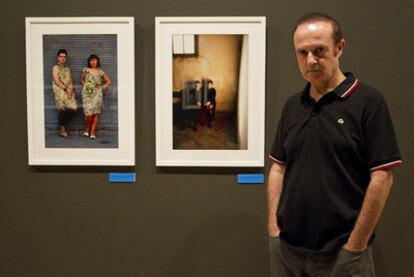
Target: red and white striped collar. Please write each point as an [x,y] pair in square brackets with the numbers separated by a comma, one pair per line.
[351,89]
[345,88]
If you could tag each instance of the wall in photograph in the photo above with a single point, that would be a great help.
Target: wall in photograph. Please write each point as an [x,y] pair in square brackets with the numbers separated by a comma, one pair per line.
[218,59]
[243,95]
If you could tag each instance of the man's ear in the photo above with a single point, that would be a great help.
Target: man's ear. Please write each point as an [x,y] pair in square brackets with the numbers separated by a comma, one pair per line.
[339,49]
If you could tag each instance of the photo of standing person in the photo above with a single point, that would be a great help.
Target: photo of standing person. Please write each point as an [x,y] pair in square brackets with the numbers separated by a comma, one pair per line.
[94,80]
[63,92]
[211,103]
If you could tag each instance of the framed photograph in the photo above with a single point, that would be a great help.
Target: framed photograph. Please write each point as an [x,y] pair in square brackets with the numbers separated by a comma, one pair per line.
[210,91]
[80,90]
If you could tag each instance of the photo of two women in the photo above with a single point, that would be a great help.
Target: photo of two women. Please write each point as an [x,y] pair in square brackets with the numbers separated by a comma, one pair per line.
[80,91]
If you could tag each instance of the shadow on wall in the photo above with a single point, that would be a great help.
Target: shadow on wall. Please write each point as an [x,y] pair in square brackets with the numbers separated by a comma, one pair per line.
[223,245]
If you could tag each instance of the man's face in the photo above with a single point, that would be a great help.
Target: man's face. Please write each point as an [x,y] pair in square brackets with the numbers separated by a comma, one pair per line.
[62,58]
[197,86]
[316,53]
[209,85]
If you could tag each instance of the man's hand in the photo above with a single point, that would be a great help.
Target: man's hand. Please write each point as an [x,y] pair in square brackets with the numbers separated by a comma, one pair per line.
[354,247]
[272,229]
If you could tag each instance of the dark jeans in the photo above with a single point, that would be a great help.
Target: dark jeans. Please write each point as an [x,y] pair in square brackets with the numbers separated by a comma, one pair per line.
[289,262]
[211,113]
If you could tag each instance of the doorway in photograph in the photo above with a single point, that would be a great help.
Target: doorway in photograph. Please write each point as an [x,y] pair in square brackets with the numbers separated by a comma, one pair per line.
[210,91]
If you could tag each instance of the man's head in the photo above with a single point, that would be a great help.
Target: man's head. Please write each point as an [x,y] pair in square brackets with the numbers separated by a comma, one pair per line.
[62,55]
[197,84]
[210,84]
[318,45]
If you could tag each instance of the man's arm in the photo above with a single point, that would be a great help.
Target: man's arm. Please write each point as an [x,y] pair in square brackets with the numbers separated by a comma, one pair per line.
[372,207]
[274,189]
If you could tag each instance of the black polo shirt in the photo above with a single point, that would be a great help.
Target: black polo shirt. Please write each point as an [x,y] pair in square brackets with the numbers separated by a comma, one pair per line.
[329,148]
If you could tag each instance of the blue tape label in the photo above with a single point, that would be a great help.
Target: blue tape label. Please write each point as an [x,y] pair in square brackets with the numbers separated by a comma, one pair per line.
[250,178]
[122,177]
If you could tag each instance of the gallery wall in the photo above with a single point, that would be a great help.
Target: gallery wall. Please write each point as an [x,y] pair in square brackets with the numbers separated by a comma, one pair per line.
[70,221]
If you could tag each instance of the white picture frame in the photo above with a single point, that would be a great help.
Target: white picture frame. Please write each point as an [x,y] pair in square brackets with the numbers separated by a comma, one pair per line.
[121,31]
[251,98]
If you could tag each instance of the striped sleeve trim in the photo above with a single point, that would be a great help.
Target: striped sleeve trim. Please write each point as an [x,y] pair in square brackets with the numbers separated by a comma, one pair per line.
[276,160]
[385,166]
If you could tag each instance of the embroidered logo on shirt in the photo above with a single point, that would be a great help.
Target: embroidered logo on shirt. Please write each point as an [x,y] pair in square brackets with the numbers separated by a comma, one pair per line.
[341,121]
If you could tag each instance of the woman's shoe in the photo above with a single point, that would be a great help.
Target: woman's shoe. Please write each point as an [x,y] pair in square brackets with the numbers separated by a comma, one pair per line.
[86,134]
[62,132]
[93,137]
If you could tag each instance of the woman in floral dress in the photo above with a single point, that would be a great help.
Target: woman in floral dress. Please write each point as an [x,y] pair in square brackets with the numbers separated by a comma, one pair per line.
[63,92]
[94,80]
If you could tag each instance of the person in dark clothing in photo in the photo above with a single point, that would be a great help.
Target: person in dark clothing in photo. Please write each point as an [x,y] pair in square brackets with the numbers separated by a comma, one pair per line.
[211,103]
[332,156]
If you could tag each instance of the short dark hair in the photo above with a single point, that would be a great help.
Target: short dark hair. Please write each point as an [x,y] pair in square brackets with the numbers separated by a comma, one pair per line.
[312,17]
[197,82]
[94,56]
[62,51]
[209,82]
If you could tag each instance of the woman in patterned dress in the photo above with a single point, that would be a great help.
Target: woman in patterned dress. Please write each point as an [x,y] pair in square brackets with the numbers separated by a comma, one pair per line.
[94,80]
[63,92]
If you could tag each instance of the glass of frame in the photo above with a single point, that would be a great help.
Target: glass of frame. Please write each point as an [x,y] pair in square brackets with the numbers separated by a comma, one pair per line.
[80,90]
[210,91]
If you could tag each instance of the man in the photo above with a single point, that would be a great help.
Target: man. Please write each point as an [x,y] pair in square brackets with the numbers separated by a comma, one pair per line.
[63,91]
[332,158]
[211,103]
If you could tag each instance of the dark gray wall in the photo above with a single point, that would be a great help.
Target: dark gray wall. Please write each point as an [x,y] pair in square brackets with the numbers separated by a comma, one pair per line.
[69,221]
